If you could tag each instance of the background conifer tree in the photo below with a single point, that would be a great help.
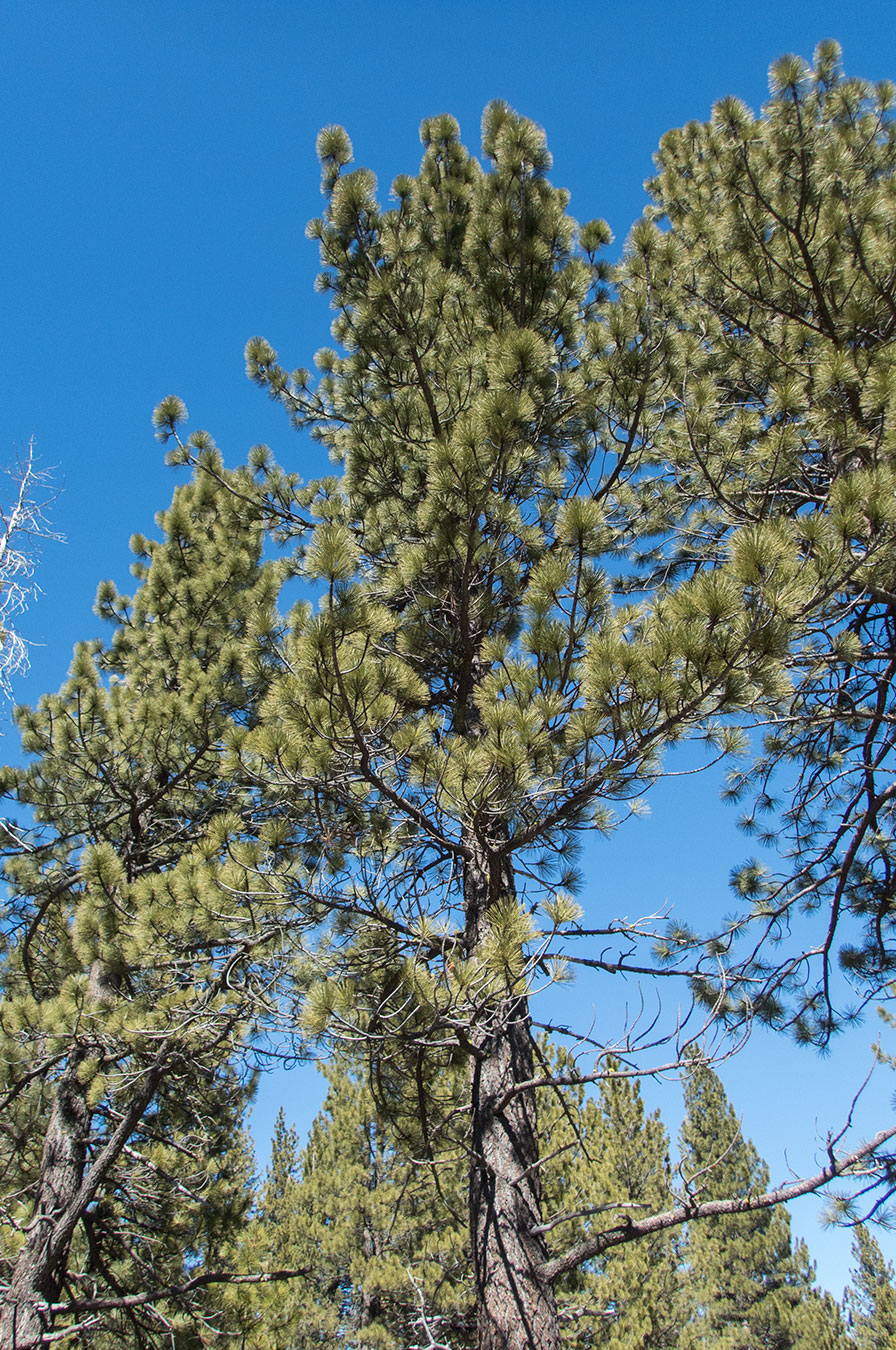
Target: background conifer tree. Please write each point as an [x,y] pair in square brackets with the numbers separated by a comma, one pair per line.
[385,1247]
[816,1319]
[638,1285]
[383,1240]
[386,1243]
[870,1302]
[745,1284]
[270,1317]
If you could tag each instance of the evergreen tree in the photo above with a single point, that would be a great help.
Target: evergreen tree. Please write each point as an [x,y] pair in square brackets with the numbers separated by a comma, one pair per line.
[382,1239]
[616,1167]
[747,1287]
[467,698]
[267,1317]
[815,1322]
[386,1245]
[390,1234]
[130,972]
[765,274]
[280,1210]
[870,1302]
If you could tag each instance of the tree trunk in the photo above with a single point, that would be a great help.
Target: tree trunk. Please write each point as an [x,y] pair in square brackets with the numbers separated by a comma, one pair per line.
[65,1189]
[35,1283]
[515,1305]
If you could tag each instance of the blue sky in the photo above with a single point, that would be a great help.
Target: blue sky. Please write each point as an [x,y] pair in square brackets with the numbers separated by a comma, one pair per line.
[159,170]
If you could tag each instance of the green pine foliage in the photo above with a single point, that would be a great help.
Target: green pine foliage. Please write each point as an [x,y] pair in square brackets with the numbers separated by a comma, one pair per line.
[403,770]
[381,1239]
[815,1322]
[763,275]
[384,1241]
[382,1246]
[389,1233]
[131,973]
[615,1166]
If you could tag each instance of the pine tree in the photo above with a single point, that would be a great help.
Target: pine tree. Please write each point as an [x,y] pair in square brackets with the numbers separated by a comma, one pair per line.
[870,1302]
[383,1241]
[467,698]
[747,1287]
[815,1322]
[280,1208]
[392,1236]
[468,695]
[765,274]
[128,979]
[268,1316]
[616,1167]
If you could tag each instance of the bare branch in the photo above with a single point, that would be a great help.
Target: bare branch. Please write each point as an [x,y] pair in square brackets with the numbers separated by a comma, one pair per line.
[23,525]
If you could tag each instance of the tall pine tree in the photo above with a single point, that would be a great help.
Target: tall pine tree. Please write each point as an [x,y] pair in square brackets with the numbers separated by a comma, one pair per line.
[467,698]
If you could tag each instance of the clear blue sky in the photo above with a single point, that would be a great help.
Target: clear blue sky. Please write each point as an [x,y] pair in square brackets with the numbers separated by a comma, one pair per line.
[159,169]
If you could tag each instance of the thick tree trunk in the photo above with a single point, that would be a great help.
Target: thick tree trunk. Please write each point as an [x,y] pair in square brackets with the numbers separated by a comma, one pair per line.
[35,1283]
[515,1305]
[516,1309]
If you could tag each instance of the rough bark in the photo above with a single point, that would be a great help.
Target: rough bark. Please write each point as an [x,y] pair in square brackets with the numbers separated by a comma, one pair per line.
[516,1309]
[36,1279]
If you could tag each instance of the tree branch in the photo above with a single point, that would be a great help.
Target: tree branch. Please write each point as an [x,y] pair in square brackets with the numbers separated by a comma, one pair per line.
[690,1211]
